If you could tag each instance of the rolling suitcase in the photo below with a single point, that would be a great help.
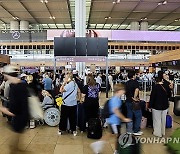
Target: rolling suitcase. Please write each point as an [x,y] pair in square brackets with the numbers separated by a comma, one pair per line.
[94,130]
[169,121]
[81,123]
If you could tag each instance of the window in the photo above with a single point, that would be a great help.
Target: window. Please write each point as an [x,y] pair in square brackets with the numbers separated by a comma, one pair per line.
[34,46]
[120,47]
[116,47]
[43,46]
[13,47]
[51,47]
[17,46]
[25,47]
[21,46]
[30,46]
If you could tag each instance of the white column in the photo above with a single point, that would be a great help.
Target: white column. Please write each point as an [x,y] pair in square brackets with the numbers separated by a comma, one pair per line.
[144,26]
[14,25]
[24,25]
[134,25]
[80,30]
[80,18]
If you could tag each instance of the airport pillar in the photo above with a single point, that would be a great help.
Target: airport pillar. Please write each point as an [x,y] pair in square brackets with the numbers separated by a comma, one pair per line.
[134,25]
[144,26]
[80,30]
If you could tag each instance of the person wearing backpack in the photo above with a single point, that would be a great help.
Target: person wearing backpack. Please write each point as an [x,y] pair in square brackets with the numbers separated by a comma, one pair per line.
[18,109]
[114,118]
[159,105]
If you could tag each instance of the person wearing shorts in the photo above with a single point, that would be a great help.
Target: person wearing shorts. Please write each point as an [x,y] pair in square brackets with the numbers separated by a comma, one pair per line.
[114,120]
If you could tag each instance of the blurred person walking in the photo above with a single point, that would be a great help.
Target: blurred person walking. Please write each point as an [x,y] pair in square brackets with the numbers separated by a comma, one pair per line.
[18,109]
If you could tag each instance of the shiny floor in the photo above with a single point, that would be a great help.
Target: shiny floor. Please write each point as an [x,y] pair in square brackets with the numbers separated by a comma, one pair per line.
[44,140]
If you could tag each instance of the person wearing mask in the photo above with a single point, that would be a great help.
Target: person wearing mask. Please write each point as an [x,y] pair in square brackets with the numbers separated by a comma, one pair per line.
[70,91]
[18,110]
[47,82]
[91,98]
[133,104]
[99,79]
[159,105]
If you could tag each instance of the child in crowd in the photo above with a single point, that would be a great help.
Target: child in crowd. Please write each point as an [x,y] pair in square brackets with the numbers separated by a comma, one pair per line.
[114,120]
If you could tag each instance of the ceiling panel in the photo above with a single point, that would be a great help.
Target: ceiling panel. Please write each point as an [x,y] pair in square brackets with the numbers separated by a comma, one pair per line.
[138,16]
[104,6]
[146,6]
[119,14]
[125,6]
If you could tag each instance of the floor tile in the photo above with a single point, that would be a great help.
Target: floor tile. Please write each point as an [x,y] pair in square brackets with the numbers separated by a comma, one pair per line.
[68,149]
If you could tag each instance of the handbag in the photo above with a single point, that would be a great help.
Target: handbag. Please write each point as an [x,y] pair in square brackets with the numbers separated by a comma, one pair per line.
[136,105]
[60,100]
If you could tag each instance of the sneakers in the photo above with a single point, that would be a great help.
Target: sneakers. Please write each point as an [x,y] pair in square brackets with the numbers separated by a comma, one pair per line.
[97,147]
[75,133]
[138,133]
[59,132]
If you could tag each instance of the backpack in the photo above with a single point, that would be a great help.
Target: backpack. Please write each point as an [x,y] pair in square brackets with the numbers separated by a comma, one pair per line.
[106,110]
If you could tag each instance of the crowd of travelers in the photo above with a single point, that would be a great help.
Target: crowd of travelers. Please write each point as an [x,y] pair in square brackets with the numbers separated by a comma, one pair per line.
[76,92]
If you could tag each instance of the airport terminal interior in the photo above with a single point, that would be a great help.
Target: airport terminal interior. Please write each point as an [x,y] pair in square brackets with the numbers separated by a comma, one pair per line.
[89,76]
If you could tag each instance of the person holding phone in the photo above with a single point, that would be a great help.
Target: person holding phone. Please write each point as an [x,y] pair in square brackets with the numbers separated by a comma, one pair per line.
[70,93]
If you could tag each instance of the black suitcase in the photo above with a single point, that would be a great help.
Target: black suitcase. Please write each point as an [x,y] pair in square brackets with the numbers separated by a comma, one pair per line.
[81,123]
[149,119]
[94,130]
[176,109]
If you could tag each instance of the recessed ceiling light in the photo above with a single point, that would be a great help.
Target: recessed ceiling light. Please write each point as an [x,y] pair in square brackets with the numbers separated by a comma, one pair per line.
[44,1]
[164,3]
[106,18]
[52,17]
[15,18]
[109,17]
[177,20]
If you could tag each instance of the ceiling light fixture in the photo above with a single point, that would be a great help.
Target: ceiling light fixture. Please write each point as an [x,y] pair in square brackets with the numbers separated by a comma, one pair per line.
[176,20]
[162,3]
[144,18]
[44,1]
[15,18]
[107,17]
[116,1]
[52,17]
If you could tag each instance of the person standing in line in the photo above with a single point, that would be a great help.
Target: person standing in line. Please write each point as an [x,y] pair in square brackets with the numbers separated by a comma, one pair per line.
[133,105]
[159,105]
[110,78]
[71,92]
[47,82]
[90,94]
[18,110]
[114,120]
[99,79]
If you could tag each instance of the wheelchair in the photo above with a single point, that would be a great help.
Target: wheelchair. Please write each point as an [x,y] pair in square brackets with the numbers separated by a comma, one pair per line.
[51,115]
